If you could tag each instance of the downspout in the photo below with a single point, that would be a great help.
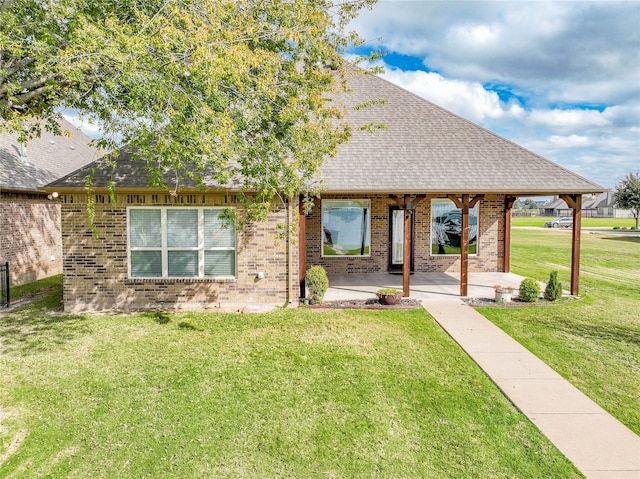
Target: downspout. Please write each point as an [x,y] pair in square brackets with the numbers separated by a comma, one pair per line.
[289,253]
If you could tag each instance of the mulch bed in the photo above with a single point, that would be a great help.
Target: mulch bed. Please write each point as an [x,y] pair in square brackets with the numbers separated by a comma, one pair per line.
[516,303]
[406,303]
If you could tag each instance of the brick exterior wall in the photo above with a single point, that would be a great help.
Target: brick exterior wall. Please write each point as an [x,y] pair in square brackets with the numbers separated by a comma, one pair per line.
[96,269]
[490,239]
[30,238]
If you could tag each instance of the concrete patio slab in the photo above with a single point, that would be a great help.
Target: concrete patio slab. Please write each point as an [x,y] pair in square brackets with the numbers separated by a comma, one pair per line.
[424,286]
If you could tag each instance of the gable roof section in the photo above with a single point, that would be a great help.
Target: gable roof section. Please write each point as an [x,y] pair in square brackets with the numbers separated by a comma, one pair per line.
[423,149]
[44,159]
[427,149]
[133,174]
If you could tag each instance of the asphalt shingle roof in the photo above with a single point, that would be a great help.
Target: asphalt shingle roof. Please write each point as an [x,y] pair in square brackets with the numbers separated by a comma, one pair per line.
[423,148]
[47,158]
[427,149]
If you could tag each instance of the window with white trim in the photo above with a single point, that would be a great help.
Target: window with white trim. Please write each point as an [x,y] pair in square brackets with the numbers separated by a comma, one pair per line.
[180,243]
[346,228]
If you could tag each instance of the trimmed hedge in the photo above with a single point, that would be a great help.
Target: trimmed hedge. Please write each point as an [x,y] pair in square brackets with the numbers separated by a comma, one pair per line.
[529,290]
[317,283]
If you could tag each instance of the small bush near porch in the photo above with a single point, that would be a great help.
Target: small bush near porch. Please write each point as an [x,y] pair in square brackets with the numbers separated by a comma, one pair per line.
[294,393]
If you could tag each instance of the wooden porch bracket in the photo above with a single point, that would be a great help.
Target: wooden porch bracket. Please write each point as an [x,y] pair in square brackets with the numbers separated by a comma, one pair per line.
[575,202]
[464,203]
[506,256]
[407,203]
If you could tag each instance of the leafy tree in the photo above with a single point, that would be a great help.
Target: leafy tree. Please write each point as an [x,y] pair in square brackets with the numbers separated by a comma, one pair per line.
[529,204]
[223,88]
[627,194]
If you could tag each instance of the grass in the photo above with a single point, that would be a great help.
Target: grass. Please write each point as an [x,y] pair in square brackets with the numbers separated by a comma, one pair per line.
[44,295]
[436,249]
[596,223]
[595,342]
[330,251]
[296,393]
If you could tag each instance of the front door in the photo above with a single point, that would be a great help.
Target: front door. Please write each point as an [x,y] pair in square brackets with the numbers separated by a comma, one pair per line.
[396,239]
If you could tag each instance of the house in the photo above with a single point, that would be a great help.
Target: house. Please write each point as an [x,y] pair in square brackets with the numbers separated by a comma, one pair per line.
[30,236]
[429,192]
[600,205]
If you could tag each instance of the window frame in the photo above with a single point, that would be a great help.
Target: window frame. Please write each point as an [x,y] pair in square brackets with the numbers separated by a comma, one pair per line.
[476,209]
[322,226]
[164,248]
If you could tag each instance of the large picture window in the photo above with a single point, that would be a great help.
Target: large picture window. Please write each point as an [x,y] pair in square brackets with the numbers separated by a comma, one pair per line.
[446,228]
[346,227]
[181,243]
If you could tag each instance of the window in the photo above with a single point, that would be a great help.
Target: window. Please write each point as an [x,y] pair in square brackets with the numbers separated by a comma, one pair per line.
[181,243]
[346,227]
[446,228]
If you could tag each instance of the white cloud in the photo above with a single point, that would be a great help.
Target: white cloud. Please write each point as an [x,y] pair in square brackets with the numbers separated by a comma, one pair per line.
[572,118]
[570,141]
[573,69]
[567,51]
[468,99]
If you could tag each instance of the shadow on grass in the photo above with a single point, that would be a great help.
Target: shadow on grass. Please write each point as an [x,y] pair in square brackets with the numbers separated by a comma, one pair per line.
[27,333]
[159,317]
[629,239]
[597,331]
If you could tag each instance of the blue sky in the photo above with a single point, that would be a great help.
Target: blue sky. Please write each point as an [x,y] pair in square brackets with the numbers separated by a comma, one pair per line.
[561,78]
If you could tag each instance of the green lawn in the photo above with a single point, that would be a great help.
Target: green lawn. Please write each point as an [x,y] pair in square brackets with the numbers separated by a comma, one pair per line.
[594,342]
[604,223]
[295,394]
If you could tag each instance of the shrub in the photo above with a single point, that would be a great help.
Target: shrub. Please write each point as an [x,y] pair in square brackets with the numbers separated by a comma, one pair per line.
[529,290]
[317,282]
[388,291]
[553,290]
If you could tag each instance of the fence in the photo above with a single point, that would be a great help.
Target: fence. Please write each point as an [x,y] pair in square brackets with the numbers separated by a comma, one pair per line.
[4,285]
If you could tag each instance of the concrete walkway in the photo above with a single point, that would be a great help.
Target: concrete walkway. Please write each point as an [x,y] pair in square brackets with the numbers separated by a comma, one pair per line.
[597,443]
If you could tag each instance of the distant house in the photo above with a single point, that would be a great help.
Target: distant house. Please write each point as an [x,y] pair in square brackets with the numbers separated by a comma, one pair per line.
[431,192]
[601,205]
[30,237]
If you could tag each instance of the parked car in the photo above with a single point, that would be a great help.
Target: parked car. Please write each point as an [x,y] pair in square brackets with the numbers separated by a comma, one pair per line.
[564,222]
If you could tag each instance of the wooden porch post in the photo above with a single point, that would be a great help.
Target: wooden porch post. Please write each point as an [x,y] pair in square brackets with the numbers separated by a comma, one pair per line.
[302,249]
[464,204]
[406,250]
[575,202]
[464,247]
[506,257]
[408,205]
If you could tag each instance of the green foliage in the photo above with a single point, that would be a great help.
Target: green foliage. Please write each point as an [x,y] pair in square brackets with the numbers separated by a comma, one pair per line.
[553,290]
[317,283]
[388,291]
[529,290]
[528,204]
[224,89]
[627,194]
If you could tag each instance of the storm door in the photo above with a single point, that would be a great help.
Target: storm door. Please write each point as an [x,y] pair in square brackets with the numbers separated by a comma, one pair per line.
[396,239]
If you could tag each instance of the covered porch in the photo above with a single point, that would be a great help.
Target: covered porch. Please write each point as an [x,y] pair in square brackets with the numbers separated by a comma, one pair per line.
[424,286]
